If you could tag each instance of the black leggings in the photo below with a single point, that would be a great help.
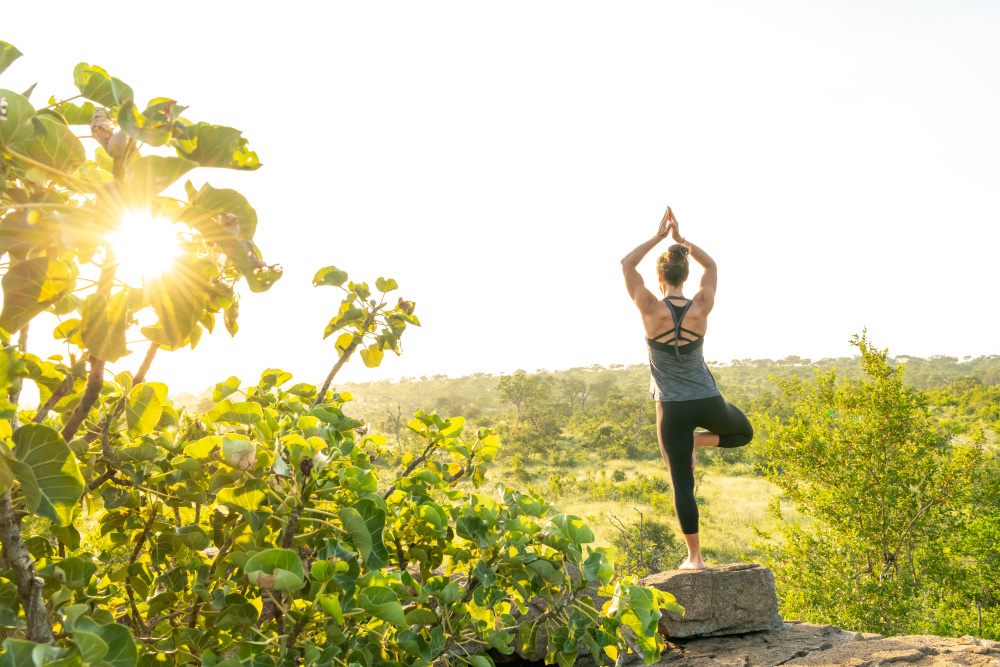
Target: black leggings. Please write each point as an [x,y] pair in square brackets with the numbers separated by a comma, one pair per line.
[677,423]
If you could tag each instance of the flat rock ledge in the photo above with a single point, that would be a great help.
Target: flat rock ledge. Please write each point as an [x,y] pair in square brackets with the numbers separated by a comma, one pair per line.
[824,646]
[719,600]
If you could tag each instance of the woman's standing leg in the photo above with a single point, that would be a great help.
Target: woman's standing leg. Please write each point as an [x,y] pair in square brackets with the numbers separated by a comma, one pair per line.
[676,436]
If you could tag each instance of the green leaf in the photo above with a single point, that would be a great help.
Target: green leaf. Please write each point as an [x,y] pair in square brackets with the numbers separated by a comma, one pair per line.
[374,518]
[331,605]
[31,286]
[384,285]
[302,389]
[236,611]
[210,202]
[103,324]
[572,527]
[382,603]
[330,275]
[193,537]
[223,389]
[215,146]
[347,316]
[48,472]
[8,54]
[421,616]
[95,84]
[356,528]
[75,572]
[121,645]
[155,125]
[276,569]
[18,126]
[247,497]
[372,357]
[75,114]
[150,175]
[228,412]
[273,377]
[143,409]
[55,145]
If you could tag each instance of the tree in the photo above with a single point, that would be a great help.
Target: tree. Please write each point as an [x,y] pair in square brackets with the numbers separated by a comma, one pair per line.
[257,532]
[883,491]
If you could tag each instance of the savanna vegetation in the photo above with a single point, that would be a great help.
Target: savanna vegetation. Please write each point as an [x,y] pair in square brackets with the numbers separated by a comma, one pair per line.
[833,436]
[268,525]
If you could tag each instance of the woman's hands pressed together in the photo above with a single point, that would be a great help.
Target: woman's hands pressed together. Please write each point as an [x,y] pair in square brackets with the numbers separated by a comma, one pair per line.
[667,225]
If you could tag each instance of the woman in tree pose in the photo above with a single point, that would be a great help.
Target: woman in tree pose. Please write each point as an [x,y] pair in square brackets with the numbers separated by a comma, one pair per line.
[683,387]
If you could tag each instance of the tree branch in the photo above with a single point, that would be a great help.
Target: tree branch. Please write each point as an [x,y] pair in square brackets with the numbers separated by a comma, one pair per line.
[29,584]
[95,382]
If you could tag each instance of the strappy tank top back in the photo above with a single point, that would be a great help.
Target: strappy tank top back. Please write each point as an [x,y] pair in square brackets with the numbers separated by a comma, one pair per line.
[677,365]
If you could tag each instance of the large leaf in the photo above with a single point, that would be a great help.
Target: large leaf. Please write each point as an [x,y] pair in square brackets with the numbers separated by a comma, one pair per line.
[276,569]
[382,603]
[220,201]
[223,389]
[365,522]
[372,356]
[31,286]
[8,54]
[225,219]
[330,275]
[215,146]
[247,497]
[144,407]
[121,651]
[75,114]
[18,126]
[155,125]
[48,473]
[103,323]
[95,84]
[228,412]
[55,145]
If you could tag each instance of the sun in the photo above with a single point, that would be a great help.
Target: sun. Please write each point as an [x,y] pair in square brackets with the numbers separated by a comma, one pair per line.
[145,245]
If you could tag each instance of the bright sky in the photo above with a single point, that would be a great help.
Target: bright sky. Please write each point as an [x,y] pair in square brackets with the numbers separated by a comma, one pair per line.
[838,160]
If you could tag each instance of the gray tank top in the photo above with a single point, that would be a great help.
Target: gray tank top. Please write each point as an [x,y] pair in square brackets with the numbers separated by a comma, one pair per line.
[677,375]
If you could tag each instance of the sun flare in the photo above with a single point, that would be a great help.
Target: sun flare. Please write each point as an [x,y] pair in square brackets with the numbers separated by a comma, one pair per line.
[146,246]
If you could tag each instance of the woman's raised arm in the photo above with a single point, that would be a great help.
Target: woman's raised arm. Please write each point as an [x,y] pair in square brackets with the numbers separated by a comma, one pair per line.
[641,296]
[709,279]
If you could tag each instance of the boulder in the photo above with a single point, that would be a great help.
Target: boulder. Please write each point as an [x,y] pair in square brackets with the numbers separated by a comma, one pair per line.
[719,600]
[808,645]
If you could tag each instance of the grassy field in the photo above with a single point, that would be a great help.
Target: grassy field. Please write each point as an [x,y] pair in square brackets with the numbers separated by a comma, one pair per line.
[730,505]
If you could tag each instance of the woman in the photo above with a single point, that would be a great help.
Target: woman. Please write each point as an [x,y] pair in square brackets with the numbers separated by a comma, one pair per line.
[683,387]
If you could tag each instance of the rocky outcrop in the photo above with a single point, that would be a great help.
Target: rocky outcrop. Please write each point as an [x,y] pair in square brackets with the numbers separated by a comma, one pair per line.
[719,600]
[826,646]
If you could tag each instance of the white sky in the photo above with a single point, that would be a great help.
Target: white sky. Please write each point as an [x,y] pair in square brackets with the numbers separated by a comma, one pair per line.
[838,159]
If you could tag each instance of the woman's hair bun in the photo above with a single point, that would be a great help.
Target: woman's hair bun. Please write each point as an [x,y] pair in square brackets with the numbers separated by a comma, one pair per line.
[673,264]
[677,253]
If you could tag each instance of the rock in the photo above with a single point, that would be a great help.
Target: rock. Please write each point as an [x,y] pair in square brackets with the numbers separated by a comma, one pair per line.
[719,600]
[811,645]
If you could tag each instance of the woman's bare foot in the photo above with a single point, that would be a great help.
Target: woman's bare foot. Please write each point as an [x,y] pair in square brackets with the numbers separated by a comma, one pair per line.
[689,564]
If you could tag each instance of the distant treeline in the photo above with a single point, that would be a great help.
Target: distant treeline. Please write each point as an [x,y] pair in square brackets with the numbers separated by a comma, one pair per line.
[608,408]
[965,394]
